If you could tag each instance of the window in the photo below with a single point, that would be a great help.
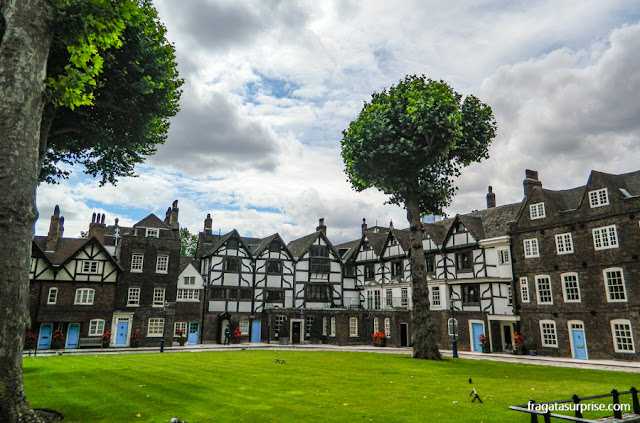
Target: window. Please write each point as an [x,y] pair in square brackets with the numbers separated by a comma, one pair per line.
[543,290]
[389,297]
[84,296]
[162,263]
[503,257]
[349,270]
[509,296]
[188,295]
[548,333]
[598,198]
[244,326]
[376,324]
[218,293]
[452,326]
[96,327]
[308,324]
[278,325]
[431,266]
[614,284]
[333,327]
[189,280]
[524,290]
[317,293]
[180,326]
[531,248]
[570,287]
[564,244]
[353,326]
[404,297]
[156,326]
[369,271]
[396,269]
[242,294]
[435,296]
[463,261]
[470,294]
[537,211]
[232,264]
[325,324]
[133,298]
[387,326]
[274,295]
[622,336]
[274,267]
[605,237]
[136,262]
[153,233]
[90,266]
[52,298]
[158,297]
[319,258]
[374,299]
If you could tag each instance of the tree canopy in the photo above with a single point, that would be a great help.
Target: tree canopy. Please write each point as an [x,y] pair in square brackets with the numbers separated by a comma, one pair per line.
[410,142]
[188,243]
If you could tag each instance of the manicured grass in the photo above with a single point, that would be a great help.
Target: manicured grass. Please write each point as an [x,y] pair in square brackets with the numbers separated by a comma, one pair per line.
[247,386]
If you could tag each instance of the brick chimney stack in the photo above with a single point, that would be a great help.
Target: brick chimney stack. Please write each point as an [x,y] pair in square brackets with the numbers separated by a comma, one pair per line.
[364,225]
[173,216]
[491,198]
[97,227]
[56,229]
[530,182]
[321,226]
[208,223]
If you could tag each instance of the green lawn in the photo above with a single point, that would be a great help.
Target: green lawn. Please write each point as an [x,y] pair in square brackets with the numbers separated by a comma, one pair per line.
[247,386]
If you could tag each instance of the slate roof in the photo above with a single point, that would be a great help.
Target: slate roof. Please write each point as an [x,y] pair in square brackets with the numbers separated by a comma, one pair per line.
[65,248]
[151,221]
[627,181]
[352,246]
[495,220]
[299,246]
[185,262]
[403,237]
[377,239]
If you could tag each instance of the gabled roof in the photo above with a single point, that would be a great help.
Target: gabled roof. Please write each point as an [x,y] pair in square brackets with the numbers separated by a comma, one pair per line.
[565,200]
[473,225]
[437,231]
[68,248]
[377,239]
[185,262]
[265,242]
[630,182]
[220,240]
[151,221]
[299,246]
[403,237]
[352,248]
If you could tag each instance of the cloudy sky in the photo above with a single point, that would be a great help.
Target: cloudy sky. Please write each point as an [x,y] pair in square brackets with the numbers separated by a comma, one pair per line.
[270,85]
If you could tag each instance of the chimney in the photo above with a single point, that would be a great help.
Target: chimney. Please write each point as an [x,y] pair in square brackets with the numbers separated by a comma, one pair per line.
[364,225]
[491,198]
[167,216]
[321,226]
[391,224]
[97,227]
[56,229]
[208,222]
[173,216]
[530,182]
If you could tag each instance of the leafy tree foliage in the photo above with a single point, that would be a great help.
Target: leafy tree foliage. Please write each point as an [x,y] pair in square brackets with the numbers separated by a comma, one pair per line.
[411,142]
[188,243]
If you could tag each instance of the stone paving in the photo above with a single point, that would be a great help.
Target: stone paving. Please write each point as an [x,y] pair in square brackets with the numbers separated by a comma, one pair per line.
[615,365]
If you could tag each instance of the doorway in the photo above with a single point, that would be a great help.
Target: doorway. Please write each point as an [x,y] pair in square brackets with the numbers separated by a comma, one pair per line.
[507,335]
[404,334]
[73,333]
[477,331]
[224,325]
[296,331]
[578,341]
[44,341]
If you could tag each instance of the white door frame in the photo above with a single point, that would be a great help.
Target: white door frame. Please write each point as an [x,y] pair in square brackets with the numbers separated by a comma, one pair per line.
[117,317]
[471,340]
[584,332]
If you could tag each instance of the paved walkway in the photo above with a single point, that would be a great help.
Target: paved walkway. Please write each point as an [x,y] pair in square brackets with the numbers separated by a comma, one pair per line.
[615,365]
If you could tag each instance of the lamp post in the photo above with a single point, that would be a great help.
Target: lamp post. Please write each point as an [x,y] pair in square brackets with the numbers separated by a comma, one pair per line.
[454,328]
[164,324]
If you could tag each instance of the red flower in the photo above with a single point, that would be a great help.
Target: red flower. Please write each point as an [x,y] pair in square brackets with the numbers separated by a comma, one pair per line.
[237,333]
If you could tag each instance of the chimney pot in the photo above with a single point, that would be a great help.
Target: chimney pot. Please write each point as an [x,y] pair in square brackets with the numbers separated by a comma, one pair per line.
[530,182]
[491,198]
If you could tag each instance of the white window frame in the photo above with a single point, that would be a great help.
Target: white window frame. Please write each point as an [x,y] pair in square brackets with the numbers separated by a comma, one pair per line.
[162,263]
[137,262]
[180,326]
[53,292]
[133,296]
[436,301]
[353,327]
[531,249]
[539,278]
[524,290]
[155,327]
[545,327]
[565,293]
[325,324]
[91,267]
[152,233]
[607,286]
[564,243]
[244,326]
[605,237]
[504,256]
[387,327]
[333,327]
[96,327]
[536,211]
[376,324]
[616,348]
[598,198]
[188,294]
[189,280]
[84,296]
[158,297]
[404,297]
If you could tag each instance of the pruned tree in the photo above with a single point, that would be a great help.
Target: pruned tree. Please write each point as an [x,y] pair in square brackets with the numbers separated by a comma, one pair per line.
[64,90]
[188,243]
[411,142]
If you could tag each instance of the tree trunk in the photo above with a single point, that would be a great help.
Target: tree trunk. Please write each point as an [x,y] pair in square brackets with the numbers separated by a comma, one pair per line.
[423,327]
[23,56]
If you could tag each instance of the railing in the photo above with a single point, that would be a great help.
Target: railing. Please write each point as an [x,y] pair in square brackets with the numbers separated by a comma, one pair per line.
[539,409]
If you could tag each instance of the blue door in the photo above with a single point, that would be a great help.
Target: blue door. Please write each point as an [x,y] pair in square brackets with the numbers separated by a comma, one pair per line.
[579,344]
[121,334]
[477,331]
[194,328]
[255,331]
[72,336]
[44,341]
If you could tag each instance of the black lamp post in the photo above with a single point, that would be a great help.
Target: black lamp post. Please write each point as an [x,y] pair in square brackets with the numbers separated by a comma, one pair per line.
[454,328]
[164,324]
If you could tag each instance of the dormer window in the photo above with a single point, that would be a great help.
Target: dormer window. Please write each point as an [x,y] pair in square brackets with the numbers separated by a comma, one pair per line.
[537,211]
[152,233]
[233,244]
[598,198]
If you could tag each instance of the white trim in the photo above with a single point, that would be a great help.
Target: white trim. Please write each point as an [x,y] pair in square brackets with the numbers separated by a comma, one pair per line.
[503,318]
[117,318]
[564,287]
[538,277]
[522,291]
[161,323]
[596,199]
[152,233]
[138,267]
[97,330]
[606,236]
[606,284]
[162,260]
[332,327]
[564,243]
[351,327]
[52,290]
[555,333]
[613,337]
[484,332]
[534,249]
[79,297]
[584,333]
[537,211]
